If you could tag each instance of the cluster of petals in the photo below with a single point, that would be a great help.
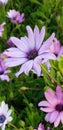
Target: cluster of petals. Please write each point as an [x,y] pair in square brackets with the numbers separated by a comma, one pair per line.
[30,51]
[2,28]
[3,70]
[15,16]
[3,2]
[4,115]
[41,127]
[53,106]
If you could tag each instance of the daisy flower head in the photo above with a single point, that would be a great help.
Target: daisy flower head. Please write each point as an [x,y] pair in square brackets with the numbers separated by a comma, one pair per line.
[41,127]
[15,16]
[3,2]
[2,28]
[4,115]
[30,51]
[3,70]
[53,105]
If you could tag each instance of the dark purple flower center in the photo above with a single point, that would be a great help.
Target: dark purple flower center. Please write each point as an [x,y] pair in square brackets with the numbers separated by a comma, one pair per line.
[1,72]
[59,107]
[2,118]
[32,54]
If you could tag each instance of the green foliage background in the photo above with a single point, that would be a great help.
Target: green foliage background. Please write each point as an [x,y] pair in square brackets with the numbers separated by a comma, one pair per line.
[24,93]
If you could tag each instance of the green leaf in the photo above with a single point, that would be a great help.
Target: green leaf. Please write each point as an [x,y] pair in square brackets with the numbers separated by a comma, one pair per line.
[61,64]
[35,1]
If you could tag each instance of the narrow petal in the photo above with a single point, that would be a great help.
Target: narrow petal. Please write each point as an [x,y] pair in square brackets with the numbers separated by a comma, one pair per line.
[39,36]
[59,94]
[36,66]
[53,116]
[9,112]
[14,53]
[31,37]
[47,109]
[46,45]
[50,97]
[10,62]
[42,34]
[9,119]
[57,121]
[61,116]
[20,44]
[26,67]
[47,117]
[48,56]
[61,51]
[36,36]
[44,103]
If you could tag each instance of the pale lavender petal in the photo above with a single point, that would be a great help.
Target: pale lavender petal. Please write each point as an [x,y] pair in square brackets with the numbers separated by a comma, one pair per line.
[26,67]
[36,67]
[39,36]
[10,62]
[59,94]
[61,51]
[46,45]
[36,36]
[31,37]
[53,116]
[47,109]
[61,116]
[8,113]
[47,117]
[44,103]
[42,34]
[48,56]
[57,121]
[5,77]
[9,119]
[56,47]
[20,44]
[50,97]
[14,53]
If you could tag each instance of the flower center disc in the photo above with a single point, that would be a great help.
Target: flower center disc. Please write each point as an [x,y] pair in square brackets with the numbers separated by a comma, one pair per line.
[1,72]
[59,107]
[2,118]
[32,54]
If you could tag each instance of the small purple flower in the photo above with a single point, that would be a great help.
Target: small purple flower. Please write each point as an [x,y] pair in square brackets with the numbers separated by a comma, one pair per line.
[31,51]
[15,17]
[3,2]
[2,28]
[3,70]
[41,127]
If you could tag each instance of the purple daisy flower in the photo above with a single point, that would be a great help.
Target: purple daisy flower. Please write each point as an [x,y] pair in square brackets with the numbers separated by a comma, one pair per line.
[31,51]
[3,2]
[3,70]
[53,106]
[15,17]
[41,127]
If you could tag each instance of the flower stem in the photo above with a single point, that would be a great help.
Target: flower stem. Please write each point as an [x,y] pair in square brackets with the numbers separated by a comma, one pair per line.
[13,126]
[52,78]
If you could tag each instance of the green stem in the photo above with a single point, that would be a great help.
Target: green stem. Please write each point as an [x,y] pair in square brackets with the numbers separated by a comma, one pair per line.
[13,126]
[17,27]
[52,78]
